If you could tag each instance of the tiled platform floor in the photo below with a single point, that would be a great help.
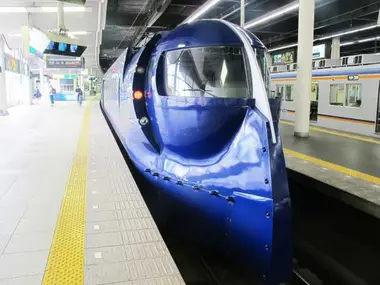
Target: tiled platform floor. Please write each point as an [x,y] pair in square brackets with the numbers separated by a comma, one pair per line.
[122,243]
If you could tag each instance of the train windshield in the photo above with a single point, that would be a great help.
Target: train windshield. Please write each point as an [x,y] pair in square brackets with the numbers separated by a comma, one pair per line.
[207,72]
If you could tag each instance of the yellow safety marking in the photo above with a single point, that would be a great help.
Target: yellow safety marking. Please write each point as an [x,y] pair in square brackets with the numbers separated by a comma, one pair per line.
[66,259]
[336,133]
[338,168]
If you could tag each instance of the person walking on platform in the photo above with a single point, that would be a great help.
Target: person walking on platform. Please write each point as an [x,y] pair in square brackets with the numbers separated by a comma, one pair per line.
[51,95]
[79,95]
[36,96]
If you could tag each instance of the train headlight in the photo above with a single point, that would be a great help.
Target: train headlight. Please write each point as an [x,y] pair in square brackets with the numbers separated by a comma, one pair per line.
[143,121]
[140,70]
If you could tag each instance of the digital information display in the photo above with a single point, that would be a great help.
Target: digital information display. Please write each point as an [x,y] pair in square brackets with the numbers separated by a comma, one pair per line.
[319,51]
[65,49]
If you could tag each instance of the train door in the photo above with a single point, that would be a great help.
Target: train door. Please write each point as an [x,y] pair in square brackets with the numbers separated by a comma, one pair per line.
[377,121]
[314,101]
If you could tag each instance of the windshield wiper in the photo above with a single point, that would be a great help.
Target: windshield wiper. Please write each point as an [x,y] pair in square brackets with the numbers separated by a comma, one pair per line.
[200,90]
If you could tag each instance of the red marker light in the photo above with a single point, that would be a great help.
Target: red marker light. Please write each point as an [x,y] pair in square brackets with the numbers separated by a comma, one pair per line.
[138,95]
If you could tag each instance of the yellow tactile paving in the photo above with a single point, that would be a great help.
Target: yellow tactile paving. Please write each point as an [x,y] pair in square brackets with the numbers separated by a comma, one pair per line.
[337,133]
[66,259]
[338,168]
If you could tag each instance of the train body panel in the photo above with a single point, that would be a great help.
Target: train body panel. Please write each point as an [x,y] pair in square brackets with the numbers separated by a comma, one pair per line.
[335,88]
[213,154]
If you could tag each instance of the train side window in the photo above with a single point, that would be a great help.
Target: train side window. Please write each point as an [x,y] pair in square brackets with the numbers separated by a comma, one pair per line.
[314,91]
[149,73]
[289,93]
[280,91]
[354,95]
[337,94]
[160,75]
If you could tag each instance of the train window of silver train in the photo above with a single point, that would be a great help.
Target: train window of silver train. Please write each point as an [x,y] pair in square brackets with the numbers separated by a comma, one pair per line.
[289,92]
[207,72]
[337,94]
[280,91]
[354,95]
[314,91]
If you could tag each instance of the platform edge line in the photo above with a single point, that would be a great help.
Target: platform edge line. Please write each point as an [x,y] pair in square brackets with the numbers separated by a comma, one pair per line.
[338,168]
[337,133]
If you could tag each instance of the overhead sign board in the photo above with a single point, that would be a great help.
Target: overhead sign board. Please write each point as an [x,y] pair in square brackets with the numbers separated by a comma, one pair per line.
[319,51]
[38,42]
[64,62]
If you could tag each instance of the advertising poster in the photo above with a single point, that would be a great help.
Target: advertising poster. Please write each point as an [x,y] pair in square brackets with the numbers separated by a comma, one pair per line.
[283,58]
[12,64]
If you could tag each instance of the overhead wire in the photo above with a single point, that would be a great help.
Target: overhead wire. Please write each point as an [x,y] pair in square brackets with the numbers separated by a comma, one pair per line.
[131,26]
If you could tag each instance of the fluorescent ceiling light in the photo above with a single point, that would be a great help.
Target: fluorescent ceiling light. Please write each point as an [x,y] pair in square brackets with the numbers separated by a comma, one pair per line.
[202,10]
[360,41]
[280,12]
[282,47]
[367,40]
[348,32]
[337,35]
[346,44]
[15,35]
[12,10]
[65,9]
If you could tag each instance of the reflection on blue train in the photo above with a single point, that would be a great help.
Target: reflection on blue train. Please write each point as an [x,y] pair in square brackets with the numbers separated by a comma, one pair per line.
[192,112]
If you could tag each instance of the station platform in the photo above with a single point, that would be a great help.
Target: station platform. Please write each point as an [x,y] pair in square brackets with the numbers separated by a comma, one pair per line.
[348,163]
[70,211]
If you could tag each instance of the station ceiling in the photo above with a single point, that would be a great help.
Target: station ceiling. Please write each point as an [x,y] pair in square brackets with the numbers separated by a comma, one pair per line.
[82,22]
[126,19]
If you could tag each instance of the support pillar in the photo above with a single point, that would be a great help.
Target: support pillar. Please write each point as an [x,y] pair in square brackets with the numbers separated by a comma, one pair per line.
[60,20]
[304,62]
[335,48]
[242,13]
[3,87]
[31,88]
[269,59]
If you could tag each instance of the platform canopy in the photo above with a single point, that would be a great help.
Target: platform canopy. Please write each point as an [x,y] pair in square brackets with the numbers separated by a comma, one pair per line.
[275,22]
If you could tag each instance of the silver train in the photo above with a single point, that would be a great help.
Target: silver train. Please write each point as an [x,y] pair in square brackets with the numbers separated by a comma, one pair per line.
[344,95]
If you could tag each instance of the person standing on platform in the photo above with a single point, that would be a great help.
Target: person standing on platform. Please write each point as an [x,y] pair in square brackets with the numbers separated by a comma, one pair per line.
[51,95]
[37,95]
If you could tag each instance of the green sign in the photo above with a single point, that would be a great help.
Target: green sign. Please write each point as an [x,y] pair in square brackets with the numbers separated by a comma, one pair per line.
[70,76]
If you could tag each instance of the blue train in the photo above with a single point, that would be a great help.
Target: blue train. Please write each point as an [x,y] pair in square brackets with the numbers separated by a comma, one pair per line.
[191,110]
